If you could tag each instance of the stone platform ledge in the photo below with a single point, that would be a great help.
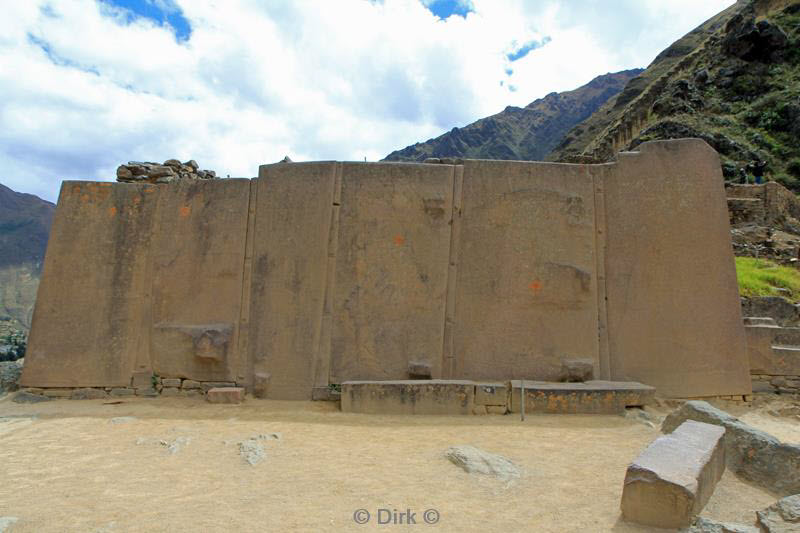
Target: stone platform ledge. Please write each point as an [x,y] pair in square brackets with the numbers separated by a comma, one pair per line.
[590,397]
[465,397]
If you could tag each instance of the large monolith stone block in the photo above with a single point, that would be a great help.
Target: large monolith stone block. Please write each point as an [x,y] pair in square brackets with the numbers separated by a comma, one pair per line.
[673,478]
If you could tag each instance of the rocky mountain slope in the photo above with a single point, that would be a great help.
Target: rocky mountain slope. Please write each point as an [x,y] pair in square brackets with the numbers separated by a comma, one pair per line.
[521,133]
[25,222]
[733,81]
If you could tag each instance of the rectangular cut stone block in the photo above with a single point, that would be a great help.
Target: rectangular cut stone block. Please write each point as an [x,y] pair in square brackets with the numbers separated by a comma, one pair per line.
[409,397]
[491,394]
[94,276]
[673,478]
[590,397]
[120,391]
[526,289]
[226,395]
[87,394]
[196,272]
[391,271]
[170,382]
[172,391]
[191,384]
[294,203]
[667,221]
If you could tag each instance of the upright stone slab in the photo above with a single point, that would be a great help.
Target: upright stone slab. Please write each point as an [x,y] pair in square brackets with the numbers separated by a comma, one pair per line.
[294,204]
[673,478]
[391,270]
[674,318]
[526,290]
[198,257]
[91,301]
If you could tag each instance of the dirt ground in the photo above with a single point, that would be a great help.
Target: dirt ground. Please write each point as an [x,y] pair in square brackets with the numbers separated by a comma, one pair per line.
[65,466]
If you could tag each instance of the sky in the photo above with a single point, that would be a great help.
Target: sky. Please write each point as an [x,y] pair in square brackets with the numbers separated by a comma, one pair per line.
[86,85]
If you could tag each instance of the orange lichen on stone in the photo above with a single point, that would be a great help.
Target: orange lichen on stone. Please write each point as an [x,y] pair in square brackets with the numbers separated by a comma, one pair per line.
[185,210]
[399,240]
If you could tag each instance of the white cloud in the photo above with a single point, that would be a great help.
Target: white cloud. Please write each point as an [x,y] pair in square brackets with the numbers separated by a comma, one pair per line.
[82,91]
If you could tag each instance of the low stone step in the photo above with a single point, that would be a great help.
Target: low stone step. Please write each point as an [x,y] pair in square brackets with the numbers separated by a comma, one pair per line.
[409,397]
[673,478]
[590,397]
[464,397]
[759,321]
[226,395]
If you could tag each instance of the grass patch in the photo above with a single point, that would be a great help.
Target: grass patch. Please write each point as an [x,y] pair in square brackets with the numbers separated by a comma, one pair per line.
[760,277]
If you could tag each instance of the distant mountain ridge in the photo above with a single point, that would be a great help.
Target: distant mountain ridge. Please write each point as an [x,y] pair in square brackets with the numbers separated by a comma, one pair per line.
[734,81]
[521,133]
[25,222]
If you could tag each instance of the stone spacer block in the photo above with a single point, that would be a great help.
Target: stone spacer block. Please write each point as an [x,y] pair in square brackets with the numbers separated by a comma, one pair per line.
[226,395]
[673,478]
[170,382]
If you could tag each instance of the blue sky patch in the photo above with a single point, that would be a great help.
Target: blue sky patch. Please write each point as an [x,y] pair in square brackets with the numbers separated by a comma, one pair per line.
[521,51]
[447,8]
[162,12]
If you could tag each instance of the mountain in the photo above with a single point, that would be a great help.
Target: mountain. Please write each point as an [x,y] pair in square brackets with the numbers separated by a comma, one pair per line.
[25,222]
[734,81]
[521,133]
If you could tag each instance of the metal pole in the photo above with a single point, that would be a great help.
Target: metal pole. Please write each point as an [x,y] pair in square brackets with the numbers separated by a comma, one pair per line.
[522,399]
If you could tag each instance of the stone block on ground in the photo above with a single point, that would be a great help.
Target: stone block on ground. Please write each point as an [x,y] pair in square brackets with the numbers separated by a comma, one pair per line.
[121,391]
[170,382]
[476,461]
[673,478]
[591,397]
[491,394]
[149,392]
[782,516]
[87,394]
[409,397]
[753,454]
[577,370]
[172,391]
[28,397]
[190,384]
[232,395]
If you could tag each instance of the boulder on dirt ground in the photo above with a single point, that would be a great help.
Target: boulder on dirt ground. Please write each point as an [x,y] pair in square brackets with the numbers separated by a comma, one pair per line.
[782,516]
[476,461]
[752,454]
[673,478]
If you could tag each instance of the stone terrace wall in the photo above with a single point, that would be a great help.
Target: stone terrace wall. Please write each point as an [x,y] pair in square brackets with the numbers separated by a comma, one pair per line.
[317,273]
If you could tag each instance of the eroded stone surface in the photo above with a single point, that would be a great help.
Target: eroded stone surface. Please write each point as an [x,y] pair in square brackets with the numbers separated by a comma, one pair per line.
[781,517]
[753,454]
[673,478]
[476,461]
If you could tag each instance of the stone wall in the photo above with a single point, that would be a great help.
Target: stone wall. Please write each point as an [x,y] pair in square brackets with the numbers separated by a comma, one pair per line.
[170,170]
[318,273]
[774,354]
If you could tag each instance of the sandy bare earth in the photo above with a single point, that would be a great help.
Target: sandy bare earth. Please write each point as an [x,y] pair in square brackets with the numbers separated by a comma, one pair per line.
[64,466]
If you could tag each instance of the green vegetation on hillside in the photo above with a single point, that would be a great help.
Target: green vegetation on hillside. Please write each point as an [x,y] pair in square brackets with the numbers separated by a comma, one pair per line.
[760,277]
[733,82]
